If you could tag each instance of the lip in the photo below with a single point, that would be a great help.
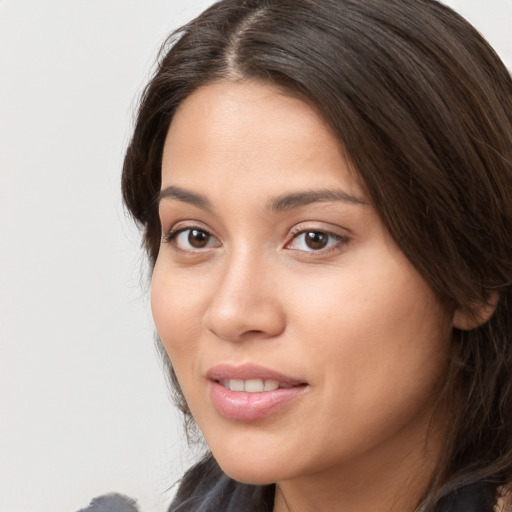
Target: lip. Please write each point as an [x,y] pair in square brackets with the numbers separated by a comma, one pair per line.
[244,406]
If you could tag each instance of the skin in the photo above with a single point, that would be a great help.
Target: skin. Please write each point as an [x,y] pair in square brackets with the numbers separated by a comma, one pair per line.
[354,320]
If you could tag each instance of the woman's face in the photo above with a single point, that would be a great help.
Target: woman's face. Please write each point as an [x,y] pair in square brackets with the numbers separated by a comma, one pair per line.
[303,339]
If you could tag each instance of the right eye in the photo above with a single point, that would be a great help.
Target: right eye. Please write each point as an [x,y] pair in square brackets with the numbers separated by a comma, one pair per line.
[192,239]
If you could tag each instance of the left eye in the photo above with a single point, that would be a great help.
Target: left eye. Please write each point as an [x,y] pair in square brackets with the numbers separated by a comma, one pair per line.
[310,240]
[193,239]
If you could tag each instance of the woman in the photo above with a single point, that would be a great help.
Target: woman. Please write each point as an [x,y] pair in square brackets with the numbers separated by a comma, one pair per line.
[324,188]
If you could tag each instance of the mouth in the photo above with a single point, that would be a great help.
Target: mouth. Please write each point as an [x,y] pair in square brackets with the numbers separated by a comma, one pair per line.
[255,385]
[251,378]
[247,393]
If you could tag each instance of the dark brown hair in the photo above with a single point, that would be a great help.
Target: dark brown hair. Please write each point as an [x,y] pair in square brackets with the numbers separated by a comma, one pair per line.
[422,106]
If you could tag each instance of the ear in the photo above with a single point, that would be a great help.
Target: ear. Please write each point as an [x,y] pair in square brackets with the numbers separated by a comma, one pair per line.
[467,320]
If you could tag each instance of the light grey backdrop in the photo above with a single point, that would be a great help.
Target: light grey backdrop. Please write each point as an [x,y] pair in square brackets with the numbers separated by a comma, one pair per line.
[84,407]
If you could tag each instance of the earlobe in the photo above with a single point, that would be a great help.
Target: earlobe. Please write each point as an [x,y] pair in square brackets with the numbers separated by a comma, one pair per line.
[467,320]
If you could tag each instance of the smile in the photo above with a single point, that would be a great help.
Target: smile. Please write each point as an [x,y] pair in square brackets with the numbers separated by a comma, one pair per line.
[248,392]
[253,385]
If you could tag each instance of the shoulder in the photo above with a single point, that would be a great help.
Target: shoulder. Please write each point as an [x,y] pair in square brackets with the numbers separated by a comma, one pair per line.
[206,488]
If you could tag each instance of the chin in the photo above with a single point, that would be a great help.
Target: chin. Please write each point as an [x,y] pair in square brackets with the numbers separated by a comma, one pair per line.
[245,469]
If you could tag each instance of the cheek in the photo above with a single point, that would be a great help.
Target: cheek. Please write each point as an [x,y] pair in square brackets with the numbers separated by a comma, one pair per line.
[377,341]
[178,309]
[381,306]
[175,312]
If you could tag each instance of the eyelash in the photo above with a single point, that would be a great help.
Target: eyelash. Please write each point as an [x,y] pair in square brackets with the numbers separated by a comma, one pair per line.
[335,242]
[172,236]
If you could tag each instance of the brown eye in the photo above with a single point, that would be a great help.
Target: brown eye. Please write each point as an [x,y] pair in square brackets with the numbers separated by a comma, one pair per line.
[192,239]
[316,240]
[198,239]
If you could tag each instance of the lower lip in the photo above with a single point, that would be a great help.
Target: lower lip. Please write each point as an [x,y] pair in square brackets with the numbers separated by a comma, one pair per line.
[243,406]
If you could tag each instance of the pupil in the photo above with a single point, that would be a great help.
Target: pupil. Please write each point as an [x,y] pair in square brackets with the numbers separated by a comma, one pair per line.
[197,238]
[316,240]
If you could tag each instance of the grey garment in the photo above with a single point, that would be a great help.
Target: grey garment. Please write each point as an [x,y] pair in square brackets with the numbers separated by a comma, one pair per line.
[111,503]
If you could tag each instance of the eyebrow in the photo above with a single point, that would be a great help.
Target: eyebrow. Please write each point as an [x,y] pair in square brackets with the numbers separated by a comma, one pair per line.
[186,196]
[298,199]
[278,204]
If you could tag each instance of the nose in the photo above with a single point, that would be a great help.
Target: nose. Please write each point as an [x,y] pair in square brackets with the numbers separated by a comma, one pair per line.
[245,303]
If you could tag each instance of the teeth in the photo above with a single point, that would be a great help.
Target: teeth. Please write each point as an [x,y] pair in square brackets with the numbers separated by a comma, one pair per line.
[270,385]
[252,385]
[236,385]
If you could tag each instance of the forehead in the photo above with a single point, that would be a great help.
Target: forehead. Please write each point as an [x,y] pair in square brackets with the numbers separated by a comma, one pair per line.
[230,132]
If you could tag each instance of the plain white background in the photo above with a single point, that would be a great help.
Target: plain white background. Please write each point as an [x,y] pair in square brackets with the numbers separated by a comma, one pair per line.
[84,407]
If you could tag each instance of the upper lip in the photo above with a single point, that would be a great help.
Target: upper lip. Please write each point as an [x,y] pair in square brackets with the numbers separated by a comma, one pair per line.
[249,371]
